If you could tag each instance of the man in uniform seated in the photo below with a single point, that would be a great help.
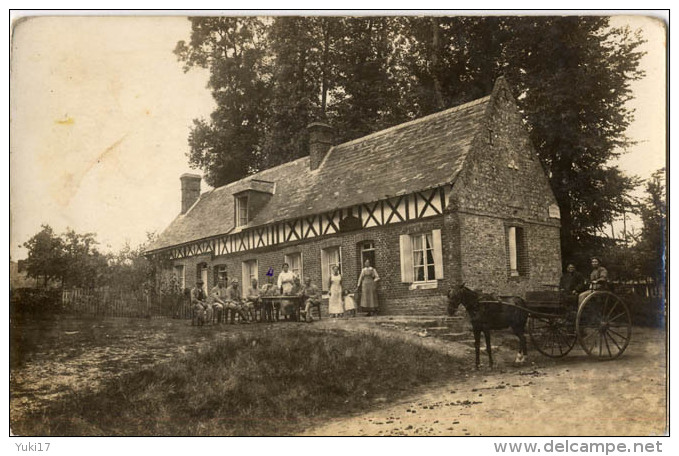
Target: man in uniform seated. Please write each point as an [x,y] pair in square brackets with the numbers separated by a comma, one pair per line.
[217,299]
[312,298]
[234,302]
[290,307]
[253,302]
[198,304]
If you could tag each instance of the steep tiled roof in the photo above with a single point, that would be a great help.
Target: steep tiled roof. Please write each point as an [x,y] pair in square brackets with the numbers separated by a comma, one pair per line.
[416,155]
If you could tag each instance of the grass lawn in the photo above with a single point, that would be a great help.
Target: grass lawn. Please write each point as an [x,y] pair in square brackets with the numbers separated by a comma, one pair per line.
[251,383]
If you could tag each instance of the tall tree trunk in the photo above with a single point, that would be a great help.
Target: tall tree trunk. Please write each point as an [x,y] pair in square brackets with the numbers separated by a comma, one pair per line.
[436,44]
[326,63]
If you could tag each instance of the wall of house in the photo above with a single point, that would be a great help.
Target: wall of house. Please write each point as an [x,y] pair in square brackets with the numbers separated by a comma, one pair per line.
[484,262]
[396,297]
[503,184]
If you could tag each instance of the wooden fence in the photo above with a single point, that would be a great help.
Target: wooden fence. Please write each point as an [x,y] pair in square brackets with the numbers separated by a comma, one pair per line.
[111,302]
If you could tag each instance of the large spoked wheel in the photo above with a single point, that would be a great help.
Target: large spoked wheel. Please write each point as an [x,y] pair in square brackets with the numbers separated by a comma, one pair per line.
[604,325]
[552,336]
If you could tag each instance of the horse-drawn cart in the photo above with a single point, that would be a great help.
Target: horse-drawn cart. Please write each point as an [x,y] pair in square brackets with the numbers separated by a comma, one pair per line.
[601,324]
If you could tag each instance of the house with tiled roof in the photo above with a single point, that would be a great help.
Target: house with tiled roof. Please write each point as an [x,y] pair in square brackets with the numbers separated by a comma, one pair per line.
[457,196]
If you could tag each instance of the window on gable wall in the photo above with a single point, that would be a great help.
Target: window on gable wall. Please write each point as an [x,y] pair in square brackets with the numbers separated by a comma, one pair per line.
[421,258]
[242,210]
[517,254]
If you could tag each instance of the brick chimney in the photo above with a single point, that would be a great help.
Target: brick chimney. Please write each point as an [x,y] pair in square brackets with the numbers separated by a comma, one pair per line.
[320,142]
[190,190]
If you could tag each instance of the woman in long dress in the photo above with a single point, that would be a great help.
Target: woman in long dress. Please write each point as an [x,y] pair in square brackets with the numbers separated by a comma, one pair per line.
[335,306]
[367,283]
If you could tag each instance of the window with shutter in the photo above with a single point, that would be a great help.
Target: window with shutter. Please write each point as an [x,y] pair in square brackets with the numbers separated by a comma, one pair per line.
[406,248]
[421,257]
[517,253]
[438,254]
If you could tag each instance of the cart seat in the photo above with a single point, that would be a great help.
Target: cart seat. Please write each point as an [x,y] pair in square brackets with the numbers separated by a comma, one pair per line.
[544,300]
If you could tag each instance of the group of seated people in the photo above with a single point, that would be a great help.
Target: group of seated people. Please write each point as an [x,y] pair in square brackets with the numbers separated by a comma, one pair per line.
[224,302]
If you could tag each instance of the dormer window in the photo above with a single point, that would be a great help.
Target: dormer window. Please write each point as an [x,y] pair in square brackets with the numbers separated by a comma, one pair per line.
[241,210]
[251,199]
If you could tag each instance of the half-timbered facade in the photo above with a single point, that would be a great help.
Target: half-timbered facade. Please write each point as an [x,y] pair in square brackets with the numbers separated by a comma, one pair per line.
[456,196]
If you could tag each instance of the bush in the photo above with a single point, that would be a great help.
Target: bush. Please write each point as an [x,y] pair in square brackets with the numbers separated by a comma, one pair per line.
[35,301]
[646,311]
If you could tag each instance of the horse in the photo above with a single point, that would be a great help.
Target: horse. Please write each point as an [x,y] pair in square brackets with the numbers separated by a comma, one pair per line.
[486,316]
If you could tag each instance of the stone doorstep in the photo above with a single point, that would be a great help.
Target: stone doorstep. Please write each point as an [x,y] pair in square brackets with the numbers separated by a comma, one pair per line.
[454,329]
[426,321]
[444,327]
[455,337]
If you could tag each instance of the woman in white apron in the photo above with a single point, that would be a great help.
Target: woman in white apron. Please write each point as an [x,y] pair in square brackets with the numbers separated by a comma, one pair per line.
[335,306]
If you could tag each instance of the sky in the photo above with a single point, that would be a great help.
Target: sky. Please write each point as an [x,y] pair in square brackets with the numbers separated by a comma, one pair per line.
[101,110]
[100,115]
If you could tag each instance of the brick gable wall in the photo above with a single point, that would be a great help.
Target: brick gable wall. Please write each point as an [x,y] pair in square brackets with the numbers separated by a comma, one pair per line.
[503,184]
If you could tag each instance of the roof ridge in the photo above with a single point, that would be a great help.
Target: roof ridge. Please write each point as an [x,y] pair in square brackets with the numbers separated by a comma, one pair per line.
[418,120]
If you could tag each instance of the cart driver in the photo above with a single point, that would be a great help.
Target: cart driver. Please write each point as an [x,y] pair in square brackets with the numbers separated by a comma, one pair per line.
[597,279]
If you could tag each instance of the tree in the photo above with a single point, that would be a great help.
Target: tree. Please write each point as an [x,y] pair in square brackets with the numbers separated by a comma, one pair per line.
[297,85]
[571,77]
[368,96]
[652,245]
[83,266]
[228,145]
[46,256]
[130,269]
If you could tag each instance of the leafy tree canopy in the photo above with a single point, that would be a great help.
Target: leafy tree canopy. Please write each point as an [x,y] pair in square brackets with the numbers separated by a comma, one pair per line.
[73,260]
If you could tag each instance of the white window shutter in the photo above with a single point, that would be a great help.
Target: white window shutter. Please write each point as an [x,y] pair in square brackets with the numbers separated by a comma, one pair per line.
[324,270]
[438,254]
[406,258]
[246,278]
[255,273]
[513,263]
[301,267]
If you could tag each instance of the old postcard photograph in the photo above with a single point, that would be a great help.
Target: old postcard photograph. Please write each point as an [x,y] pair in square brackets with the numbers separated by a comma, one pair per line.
[340,223]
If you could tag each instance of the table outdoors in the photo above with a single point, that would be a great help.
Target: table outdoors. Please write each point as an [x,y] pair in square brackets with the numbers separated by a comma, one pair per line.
[297,302]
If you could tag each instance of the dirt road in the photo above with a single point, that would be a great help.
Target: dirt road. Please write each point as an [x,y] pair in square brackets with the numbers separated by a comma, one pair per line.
[571,396]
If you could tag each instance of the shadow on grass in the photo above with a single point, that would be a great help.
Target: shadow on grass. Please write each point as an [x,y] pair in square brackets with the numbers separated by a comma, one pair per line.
[251,384]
